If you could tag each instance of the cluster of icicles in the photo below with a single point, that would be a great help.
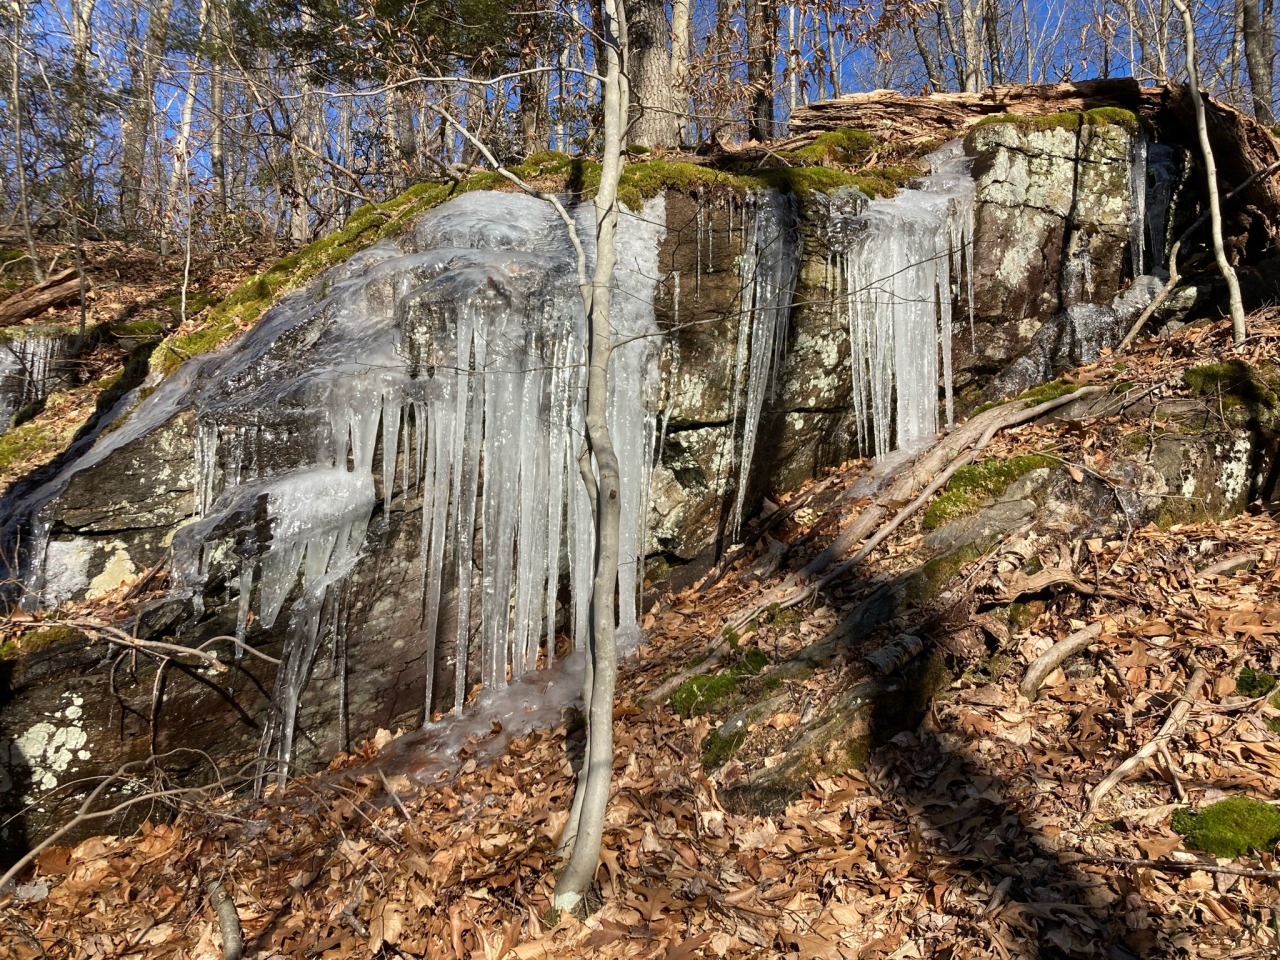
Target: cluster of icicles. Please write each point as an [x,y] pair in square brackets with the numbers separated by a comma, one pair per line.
[449,366]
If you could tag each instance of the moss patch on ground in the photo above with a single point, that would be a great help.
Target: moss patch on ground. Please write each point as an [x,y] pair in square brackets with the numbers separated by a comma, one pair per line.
[973,484]
[1245,394]
[1033,397]
[31,641]
[699,695]
[1230,828]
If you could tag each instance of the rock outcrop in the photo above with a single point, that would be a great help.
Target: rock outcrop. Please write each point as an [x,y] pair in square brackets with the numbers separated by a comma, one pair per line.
[209,460]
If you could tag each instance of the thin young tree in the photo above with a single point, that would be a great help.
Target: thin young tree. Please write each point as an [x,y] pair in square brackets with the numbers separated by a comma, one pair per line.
[1238,330]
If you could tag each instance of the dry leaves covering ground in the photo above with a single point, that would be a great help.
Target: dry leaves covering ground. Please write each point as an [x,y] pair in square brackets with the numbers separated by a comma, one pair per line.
[966,837]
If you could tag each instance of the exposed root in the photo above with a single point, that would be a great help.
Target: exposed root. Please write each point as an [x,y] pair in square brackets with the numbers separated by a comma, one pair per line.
[228,920]
[1172,724]
[1052,658]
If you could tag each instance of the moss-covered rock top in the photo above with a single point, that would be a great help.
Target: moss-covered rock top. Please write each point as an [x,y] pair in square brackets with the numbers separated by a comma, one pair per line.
[978,482]
[1242,393]
[1071,120]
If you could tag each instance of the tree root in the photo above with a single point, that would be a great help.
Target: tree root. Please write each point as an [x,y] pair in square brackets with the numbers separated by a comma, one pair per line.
[1057,577]
[1177,716]
[913,487]
[1052,658]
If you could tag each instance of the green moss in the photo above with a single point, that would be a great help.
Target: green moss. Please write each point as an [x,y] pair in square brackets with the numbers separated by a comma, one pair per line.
[1230,828]
[195,303]
[973,484]
[847,148]
[138,329]
[1253,683]
[31,441]
[1021,616]
[805,181]
[699,695]
[1070,120]
[1244,394]
[32,641]
[717,749]
[935,574]
[778,616]
[1180,511]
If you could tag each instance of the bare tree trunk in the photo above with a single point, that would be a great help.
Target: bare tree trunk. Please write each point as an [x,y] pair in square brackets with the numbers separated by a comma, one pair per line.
[1259,48]
[1238,330]
[831,56]
[762,40]
[19,157]
[648,63]
[931,71]
[971,45]
[587,821]
[217,111]
[135,125]
[680,47]
[991,31]
[182,142]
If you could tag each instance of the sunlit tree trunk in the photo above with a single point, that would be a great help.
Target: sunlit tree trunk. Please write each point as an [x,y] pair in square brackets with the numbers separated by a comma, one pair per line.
[648,63]
[1258,22]
[19,155]
[971,46]
[680,47]
[179,175]
[1238,329]
[135,125]
[586,827]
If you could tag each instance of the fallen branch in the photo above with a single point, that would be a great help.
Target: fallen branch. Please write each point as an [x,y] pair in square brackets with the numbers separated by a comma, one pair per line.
[1057,577]
[56,291]
[1052,658]
[1227,565]
[1177,716]
[228,920]
[1190,866]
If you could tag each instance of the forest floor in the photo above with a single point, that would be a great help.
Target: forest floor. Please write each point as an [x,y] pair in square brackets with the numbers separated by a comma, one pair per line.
[964,833]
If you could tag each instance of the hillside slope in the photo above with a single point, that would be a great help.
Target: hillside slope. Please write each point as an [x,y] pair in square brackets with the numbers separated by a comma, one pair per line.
[857,775]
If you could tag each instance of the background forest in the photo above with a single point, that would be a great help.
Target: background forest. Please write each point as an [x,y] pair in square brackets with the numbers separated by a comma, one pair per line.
[232,122]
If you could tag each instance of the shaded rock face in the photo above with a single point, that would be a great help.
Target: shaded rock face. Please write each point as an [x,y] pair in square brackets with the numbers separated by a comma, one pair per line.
[123,504]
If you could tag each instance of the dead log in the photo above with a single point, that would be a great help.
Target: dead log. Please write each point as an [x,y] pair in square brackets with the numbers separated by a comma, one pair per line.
[898,118]
[59,290]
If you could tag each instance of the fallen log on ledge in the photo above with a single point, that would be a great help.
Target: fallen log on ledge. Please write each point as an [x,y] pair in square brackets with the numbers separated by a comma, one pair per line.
[59,290]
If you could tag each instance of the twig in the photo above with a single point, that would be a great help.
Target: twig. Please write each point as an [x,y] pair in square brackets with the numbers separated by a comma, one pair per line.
[1190,866]
[1177,716]
[1057,577]
[1174,774]
[228,920]
[1227,565]
[1049,661]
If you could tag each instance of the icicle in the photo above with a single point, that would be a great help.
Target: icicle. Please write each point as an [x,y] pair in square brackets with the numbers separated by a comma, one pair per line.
[768,268]
[893,283]
[1138,202]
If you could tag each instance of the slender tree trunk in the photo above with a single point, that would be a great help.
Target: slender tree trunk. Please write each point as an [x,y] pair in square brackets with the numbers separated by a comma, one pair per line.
[648,64]
[931,71]
[587,826]
[135,126]
[681,45]
[991,31]
[1238,329]
[217,110]
[972,47]
[182,142]
[1259,49]
[831,55]
[19,156]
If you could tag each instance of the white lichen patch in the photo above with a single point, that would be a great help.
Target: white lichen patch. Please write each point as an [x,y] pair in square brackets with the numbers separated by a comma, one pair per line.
[48,749]
[1233,460]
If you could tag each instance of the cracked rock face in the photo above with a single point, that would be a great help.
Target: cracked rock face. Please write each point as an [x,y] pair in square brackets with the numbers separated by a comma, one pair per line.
[1052,229]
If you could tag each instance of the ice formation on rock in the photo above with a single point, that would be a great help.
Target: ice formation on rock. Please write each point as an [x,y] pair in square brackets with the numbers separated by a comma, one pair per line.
[31,364]
[770,262]
[891,276]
